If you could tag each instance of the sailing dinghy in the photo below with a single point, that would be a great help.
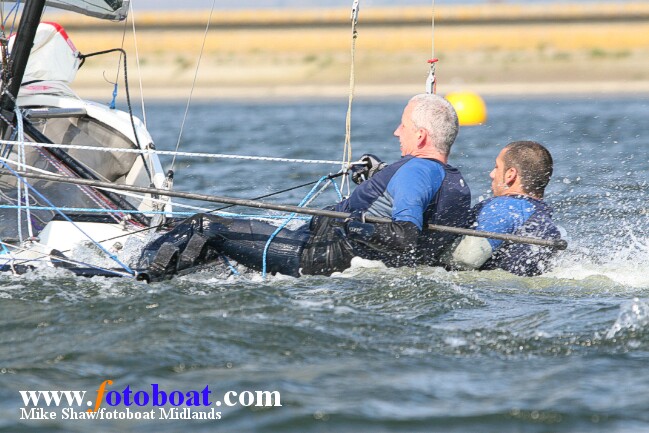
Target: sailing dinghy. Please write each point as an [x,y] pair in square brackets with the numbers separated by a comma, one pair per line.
[48,129]
[77,173]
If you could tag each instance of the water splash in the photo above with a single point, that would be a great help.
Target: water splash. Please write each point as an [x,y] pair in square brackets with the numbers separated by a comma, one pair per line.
[634,316]
[622,260]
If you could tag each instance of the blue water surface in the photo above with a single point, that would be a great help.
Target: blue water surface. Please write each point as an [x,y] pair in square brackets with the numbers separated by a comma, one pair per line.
[372,349]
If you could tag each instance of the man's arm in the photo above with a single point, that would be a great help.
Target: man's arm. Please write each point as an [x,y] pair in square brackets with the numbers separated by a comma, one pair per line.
[399,236]
[471,253]
[492,215]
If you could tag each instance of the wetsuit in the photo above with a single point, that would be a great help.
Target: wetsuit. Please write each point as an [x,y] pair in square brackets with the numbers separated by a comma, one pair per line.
[412,192]
[518,215]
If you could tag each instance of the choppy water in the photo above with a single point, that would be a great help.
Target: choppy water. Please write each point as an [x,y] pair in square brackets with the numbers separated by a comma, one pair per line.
[371,349]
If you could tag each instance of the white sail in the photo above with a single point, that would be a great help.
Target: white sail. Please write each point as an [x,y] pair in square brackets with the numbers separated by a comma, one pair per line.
[53,56]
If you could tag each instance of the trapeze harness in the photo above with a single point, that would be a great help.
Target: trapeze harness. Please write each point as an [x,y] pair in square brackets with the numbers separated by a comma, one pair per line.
[412,191]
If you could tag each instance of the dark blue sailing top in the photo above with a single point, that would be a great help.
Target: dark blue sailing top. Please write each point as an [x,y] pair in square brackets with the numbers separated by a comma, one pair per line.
[413,192]
[519,215]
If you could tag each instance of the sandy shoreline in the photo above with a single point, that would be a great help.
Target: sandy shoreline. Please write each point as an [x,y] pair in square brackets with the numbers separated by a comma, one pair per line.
[515,57]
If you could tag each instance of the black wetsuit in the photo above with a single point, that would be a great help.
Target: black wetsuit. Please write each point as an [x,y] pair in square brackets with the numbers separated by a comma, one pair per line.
[412,192]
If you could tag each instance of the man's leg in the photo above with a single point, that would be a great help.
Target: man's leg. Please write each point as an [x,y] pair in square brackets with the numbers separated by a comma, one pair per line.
[328,250]
[202,238]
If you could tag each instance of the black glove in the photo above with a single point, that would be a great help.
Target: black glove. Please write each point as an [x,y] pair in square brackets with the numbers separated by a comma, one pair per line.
[356,227]
[371,165]
[397,236]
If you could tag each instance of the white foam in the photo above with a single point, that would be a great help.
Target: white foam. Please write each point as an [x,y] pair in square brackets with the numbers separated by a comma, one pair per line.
[455,341]
[634,315]
[625,265]
[358,265]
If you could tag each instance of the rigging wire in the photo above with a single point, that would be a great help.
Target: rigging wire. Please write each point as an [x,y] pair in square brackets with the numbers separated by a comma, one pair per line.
[305,201]
[67,218]
[205,210]
[147,212]
[18,130]
[140,150]
[137,62]
[191,92]
[124,193]
[11,257]
[15,13]
[88,192]
[22,164]
[119,61]
[19,198]
[432,41]
[64,171]
[431,81]
[347,148]
[330,177]
[168,152]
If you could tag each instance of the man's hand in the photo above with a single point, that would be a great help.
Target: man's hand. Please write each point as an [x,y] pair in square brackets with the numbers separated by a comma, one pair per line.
[356,227]
[397,236]
[371,165]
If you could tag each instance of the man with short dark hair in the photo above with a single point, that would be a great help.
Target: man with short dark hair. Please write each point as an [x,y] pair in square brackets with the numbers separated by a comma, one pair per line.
[419,189]
[518,181]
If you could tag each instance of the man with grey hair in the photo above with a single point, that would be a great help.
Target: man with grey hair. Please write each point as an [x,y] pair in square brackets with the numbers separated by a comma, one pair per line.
[438,118]
[419,189]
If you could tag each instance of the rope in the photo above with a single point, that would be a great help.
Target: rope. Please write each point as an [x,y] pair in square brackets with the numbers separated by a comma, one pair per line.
[152,212]
[22,164]
[19,197]
[232,268]
[13,11]
[90,210]
[318,193]
[431,82]
[113,101]
[191,92]
[259,197]
[128,102]
[432,42]
[340,195]
[347,148]
[26,166]
[168,152]
[88,192]
[97,244]
[206,210]
[5,251]
[124,193]
[137,61]
[303,203]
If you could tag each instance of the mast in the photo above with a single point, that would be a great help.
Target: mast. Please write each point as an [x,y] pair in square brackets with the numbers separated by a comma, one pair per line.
[19,56]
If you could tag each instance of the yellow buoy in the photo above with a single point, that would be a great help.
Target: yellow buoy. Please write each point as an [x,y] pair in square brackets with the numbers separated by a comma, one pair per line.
[471,109]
